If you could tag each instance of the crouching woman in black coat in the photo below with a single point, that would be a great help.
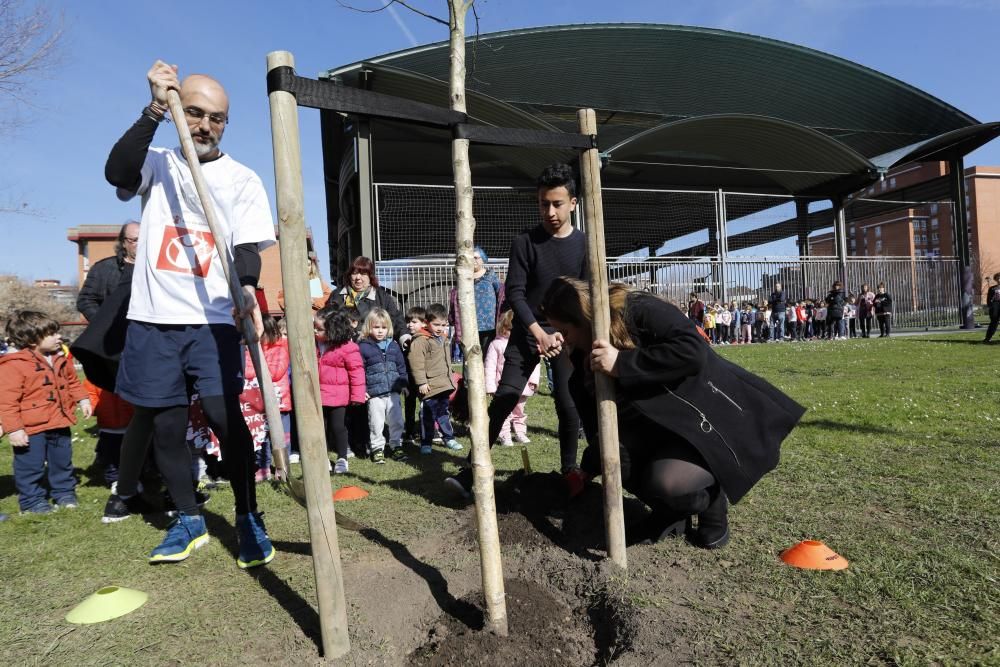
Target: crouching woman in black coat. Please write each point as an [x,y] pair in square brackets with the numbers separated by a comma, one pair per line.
[694,428]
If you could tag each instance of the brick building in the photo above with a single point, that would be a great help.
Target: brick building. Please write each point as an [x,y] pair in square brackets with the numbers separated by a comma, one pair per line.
[96,242]
[926,229]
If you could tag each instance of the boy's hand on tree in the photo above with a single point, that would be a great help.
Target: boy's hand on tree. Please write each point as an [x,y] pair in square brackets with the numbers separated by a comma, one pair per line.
[18,438]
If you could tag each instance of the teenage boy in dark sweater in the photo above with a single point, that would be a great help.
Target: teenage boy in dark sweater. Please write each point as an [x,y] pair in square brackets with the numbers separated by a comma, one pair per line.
[551,249]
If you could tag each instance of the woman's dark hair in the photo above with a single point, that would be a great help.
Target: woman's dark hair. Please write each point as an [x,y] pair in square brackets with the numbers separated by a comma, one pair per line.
[27,328]
[272,334]
[336,325]
[557,175]
[362,264]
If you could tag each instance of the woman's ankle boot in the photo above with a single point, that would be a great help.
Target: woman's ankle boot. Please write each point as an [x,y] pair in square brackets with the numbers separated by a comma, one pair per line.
[713,523]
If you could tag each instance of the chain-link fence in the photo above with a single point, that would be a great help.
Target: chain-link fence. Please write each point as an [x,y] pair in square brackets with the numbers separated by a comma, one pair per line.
[723,246]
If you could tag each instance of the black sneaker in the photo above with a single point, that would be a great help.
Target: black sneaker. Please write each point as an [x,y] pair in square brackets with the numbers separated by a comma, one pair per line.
[397,454]
[461,482]
[118,508]
[200,499]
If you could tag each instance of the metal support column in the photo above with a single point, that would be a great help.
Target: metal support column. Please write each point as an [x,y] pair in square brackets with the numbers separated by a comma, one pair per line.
[366,211]
[960,220]
[840,238]
[802,239]
[722,244]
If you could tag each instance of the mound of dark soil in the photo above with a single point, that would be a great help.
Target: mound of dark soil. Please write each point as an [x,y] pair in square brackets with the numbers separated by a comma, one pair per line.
[543,630]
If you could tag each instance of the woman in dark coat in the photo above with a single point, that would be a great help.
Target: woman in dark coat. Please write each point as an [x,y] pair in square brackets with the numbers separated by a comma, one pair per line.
[835,311]
[694,428]
[362,291]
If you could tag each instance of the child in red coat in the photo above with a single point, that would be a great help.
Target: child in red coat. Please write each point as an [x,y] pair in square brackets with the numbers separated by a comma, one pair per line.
[341,376]
[39,391]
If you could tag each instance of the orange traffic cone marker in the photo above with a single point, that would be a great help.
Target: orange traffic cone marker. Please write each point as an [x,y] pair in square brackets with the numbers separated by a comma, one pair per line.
[814,555]
[349,493]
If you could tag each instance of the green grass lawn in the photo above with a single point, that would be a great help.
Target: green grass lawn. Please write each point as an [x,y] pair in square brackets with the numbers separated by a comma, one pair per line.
[895,465]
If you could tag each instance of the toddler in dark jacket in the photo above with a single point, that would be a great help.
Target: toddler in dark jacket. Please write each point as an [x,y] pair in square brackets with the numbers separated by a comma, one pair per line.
[385,378]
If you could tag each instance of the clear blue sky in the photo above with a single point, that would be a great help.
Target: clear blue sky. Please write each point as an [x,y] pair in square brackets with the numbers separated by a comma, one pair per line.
[55,162]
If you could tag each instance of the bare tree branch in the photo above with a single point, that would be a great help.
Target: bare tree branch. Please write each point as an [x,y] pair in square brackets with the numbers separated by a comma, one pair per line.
[29,41]
[401,3]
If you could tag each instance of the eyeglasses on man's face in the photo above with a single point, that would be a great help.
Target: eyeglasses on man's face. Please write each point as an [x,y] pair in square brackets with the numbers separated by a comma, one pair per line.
[196,114]
[131,239]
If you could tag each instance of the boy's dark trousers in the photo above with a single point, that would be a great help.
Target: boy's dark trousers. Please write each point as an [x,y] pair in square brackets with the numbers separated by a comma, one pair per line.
[434,410]
[994,310]
[520,360]
[411,428]
[109,450]
[55,448]
[884,324]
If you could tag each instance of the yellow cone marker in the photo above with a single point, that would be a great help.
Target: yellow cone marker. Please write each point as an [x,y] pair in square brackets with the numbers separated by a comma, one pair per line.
[108,603]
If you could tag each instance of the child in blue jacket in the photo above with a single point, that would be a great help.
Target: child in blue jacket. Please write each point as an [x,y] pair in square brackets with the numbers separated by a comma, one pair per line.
[385,378]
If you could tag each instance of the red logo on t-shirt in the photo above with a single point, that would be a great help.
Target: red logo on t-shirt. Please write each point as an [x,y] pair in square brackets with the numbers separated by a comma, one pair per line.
[186,251]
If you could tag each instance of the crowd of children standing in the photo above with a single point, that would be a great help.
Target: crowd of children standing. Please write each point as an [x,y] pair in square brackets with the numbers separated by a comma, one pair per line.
[838,316]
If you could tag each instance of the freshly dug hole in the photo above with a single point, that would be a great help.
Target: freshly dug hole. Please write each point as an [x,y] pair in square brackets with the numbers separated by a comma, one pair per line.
[543,630]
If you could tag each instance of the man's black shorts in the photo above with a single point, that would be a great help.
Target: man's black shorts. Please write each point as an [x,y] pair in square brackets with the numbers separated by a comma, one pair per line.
[163,363]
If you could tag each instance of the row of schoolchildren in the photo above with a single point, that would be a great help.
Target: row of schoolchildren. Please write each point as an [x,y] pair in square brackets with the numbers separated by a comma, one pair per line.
[361,366]
[368,373]
[833,318]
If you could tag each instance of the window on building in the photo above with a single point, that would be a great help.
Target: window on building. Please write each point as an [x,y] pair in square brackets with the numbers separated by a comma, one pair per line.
[878,232]
[934,223]
[878,246]
[935,237]
[892,182]
[934,209]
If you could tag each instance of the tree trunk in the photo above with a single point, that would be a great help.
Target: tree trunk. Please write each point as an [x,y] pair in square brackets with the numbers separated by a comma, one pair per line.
[475,377]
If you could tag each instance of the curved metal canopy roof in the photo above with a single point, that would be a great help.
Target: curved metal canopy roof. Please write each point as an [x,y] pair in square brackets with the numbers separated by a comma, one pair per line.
[677,105]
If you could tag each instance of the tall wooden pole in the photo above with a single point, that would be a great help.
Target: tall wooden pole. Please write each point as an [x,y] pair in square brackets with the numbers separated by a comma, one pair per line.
[271,410]
[607,412]
[305,374]
[475,377]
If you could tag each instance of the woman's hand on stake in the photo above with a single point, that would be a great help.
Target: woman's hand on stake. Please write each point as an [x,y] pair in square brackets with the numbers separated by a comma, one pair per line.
[604,357]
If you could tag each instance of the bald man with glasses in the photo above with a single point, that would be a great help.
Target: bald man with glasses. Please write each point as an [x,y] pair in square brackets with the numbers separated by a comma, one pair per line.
[181,335]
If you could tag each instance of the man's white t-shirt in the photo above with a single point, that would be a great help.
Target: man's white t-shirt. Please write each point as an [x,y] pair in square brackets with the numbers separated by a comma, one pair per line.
[178,278]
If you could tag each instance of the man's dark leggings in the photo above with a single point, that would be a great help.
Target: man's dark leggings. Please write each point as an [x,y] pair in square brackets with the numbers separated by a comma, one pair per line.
[520,360]
[168,428]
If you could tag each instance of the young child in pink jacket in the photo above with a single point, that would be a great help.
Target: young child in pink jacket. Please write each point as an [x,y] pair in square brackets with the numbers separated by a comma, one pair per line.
[518,418]
[341,376]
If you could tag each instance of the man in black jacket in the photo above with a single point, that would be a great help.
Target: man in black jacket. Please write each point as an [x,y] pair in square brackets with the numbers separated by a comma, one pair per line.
[105,276]
[777,304]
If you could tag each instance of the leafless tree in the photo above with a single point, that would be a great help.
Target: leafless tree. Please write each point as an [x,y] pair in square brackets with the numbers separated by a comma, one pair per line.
[30,35]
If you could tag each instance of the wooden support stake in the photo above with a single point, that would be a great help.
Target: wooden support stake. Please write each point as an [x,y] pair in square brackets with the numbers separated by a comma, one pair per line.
[607,413]
[475,376]
[305,374]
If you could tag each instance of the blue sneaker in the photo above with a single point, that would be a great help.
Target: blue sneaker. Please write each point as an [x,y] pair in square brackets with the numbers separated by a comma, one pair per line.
[426,449]
[3,517]
[184,535]
[453,445]
[255,545]
[41,508]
